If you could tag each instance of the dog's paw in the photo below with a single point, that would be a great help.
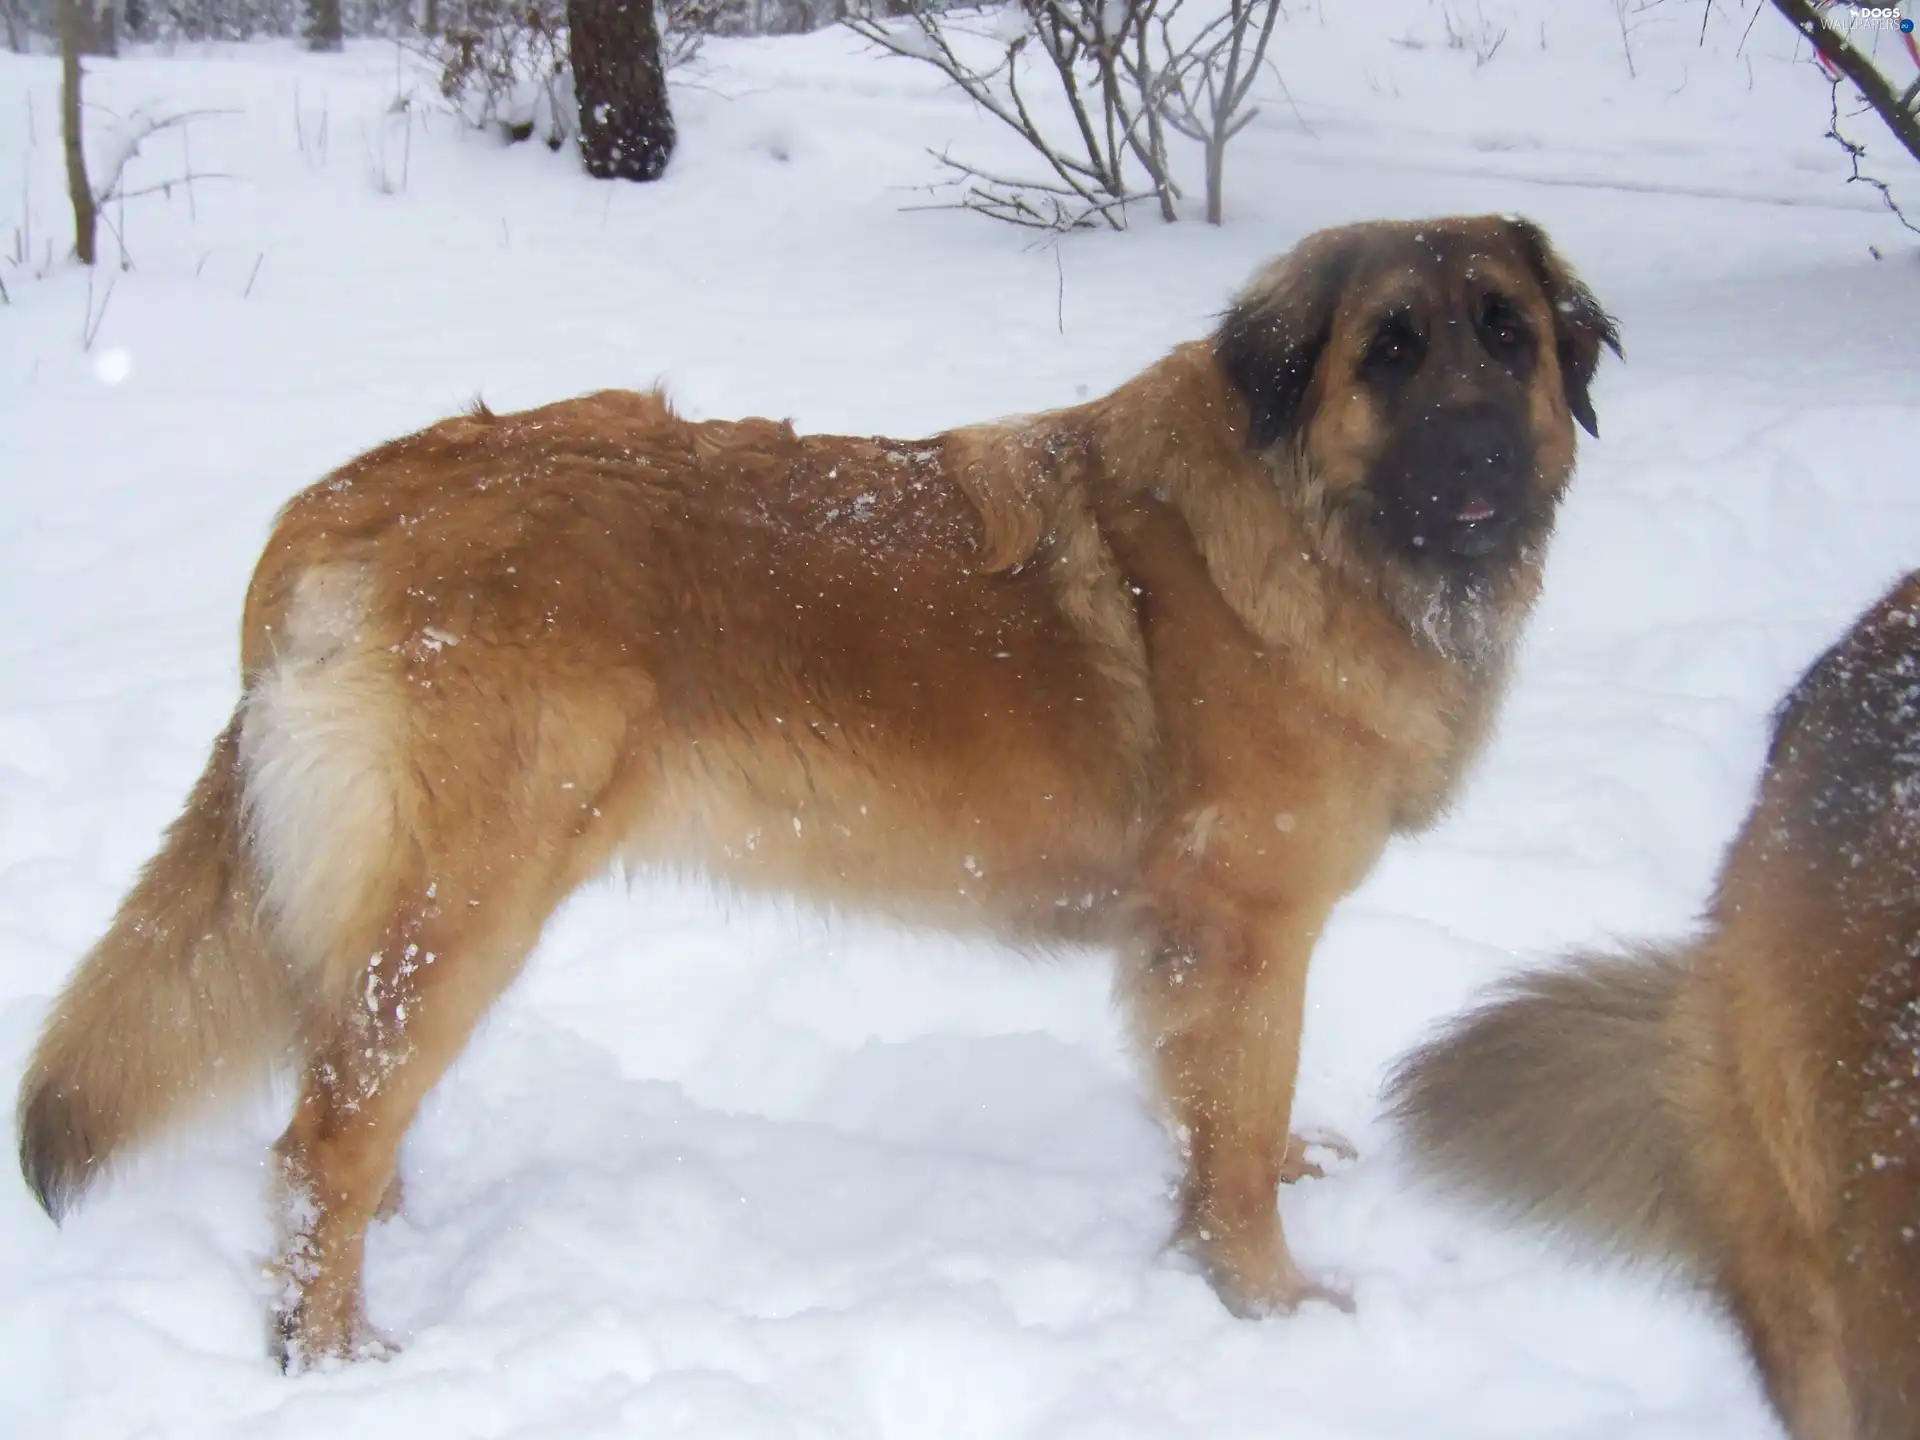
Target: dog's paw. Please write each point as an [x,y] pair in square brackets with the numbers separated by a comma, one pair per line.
[301,1347]
[1257,1283]
[1281,1296]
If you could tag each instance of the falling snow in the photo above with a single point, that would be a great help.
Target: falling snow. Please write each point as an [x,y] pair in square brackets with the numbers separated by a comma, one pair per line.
[721,1167]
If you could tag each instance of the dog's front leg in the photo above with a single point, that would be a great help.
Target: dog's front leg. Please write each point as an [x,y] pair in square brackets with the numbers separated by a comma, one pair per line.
[1218,997]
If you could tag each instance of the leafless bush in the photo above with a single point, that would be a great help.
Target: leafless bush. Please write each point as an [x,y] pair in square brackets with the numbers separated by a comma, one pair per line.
[1206,82]
[1125,73]
[504,65]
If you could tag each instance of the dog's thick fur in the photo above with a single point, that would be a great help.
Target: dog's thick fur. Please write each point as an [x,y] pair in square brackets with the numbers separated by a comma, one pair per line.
[1163,670]
[1745,1106]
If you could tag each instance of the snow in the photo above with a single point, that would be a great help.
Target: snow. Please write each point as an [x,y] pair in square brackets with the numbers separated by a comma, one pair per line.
[728,1168]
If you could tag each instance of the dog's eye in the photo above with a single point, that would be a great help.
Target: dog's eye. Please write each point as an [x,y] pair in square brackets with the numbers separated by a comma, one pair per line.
[1395,348]
[1502,326]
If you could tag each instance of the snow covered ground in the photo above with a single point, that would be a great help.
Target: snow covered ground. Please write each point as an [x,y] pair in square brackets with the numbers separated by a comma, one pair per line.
[723,1169]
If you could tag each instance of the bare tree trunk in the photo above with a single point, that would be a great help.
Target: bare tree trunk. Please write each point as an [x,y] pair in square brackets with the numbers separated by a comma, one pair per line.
[1858,68]
[323,25]
[73,35]
[100,34]
[626,125]
[16,31]
[430,22]
[1216,179]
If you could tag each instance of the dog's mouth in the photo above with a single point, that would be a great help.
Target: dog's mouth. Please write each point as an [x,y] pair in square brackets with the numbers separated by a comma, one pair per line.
[1476,528]
[1472,532]
[1476,509]
[1471,524]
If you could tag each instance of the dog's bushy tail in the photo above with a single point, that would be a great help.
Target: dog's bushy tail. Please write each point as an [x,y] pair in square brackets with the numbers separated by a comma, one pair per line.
[177,1003]
[1557,1103]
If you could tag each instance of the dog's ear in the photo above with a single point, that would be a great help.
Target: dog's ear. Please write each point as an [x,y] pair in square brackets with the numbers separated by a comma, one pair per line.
[1270,342]
[1580,326]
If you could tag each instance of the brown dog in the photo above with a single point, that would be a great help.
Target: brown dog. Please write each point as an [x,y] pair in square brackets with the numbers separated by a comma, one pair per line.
[1163,670]
[1745,1106]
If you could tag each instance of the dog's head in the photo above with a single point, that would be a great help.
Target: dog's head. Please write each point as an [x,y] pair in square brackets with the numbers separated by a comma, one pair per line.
[1422,381]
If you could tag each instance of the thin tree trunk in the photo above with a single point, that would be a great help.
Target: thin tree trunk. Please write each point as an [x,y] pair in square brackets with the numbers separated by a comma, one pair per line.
[73,32]
[430,22]
[626,124]
[16,32]
[1216,176]
[323,25]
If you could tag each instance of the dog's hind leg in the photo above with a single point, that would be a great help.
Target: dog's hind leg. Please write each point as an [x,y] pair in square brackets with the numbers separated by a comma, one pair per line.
[444,955]
[471,915]
[424,989]
[1757,1157]
[415,821]
[1792,1321]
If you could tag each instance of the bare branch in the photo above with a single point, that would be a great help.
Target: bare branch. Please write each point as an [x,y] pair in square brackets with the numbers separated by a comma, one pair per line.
[1855,153]
[1847,58]
[139,127]
[1070,206]
[165,187]
[90,331]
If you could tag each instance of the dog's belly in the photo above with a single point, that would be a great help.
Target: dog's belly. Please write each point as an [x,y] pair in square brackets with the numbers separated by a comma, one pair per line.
[936,780]
[858,841]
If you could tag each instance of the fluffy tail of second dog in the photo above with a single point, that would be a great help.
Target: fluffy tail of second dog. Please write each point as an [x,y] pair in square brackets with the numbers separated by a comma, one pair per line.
[1555,1103]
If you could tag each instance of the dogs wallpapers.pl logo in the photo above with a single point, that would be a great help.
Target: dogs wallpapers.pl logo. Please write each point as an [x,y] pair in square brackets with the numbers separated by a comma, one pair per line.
[1874,15]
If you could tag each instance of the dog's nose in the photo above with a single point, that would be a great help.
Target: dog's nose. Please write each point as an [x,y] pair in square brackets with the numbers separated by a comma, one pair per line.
[1475,444]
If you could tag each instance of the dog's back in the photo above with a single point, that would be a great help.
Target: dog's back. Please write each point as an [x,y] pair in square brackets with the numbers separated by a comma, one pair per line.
[1750,1102]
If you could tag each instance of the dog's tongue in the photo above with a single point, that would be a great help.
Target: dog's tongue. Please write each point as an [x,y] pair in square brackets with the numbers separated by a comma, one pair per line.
[1476,508]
